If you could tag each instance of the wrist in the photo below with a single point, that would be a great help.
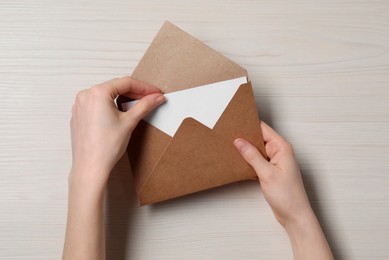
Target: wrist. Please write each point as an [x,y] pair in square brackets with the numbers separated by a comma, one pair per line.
[87,180]
[307,238]
[301,223]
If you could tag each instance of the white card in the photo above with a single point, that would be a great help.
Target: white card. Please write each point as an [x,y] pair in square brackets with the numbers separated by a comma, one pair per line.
[205,104]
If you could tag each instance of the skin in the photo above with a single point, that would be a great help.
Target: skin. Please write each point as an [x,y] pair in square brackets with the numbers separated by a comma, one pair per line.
[97,126]
[282,185]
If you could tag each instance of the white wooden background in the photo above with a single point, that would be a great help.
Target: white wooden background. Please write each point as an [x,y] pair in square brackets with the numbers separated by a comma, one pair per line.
[321,75]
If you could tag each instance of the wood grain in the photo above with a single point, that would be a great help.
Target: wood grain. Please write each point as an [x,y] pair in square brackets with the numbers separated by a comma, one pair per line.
[320,70]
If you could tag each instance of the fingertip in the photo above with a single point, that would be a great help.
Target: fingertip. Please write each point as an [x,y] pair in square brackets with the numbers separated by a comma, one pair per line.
[144,106]
[269,133]
[264,126]
[160,99]
[154,100]
[250,154]
[246,149]
[263,122]
[240,144]
[130,87]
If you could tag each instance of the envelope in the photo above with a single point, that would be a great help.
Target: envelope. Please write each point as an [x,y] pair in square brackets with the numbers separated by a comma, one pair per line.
[196,157]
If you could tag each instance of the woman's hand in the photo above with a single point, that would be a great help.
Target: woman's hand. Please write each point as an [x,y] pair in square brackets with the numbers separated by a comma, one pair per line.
[280,178]
[283,188]
[100,135]
[100,132]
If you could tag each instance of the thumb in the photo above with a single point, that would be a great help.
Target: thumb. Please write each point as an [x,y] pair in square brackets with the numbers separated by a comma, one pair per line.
[143,107]
[251,154]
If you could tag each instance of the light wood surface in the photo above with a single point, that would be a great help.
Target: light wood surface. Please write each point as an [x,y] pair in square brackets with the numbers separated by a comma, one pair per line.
[321,75]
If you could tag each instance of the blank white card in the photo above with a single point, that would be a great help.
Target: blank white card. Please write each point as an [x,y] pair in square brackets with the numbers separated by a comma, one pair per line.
[205,104]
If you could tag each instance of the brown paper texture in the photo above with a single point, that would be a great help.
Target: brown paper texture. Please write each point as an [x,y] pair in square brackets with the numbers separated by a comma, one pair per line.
[176,60]
[196,158]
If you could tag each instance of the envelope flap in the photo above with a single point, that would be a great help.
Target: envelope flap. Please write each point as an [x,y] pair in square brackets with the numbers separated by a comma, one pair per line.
[197,158]
[176,60]
[241,119]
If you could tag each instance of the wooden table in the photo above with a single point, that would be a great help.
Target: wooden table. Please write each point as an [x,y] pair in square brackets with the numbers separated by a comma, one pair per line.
[320,70]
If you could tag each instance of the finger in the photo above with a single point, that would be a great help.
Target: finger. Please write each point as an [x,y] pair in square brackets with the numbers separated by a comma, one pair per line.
[269,134]
[143,107]
[128,84]
[251,154]
[127,97]
[273,141]
[73,109]
[134,96]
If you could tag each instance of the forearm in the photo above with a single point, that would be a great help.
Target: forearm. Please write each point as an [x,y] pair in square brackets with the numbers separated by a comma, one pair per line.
[85,232]
[100,135]
[307,239]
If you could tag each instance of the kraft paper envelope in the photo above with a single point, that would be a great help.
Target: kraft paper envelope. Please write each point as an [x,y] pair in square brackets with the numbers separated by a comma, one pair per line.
[197,157]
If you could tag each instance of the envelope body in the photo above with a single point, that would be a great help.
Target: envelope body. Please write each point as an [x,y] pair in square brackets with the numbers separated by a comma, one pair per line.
[196,158]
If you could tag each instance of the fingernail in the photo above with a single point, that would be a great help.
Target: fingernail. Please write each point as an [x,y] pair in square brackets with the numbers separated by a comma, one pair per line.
[160,99]
[240,144]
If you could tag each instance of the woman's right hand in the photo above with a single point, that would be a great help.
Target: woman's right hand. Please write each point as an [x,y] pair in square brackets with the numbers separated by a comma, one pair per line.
[282,185]
[279,178]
